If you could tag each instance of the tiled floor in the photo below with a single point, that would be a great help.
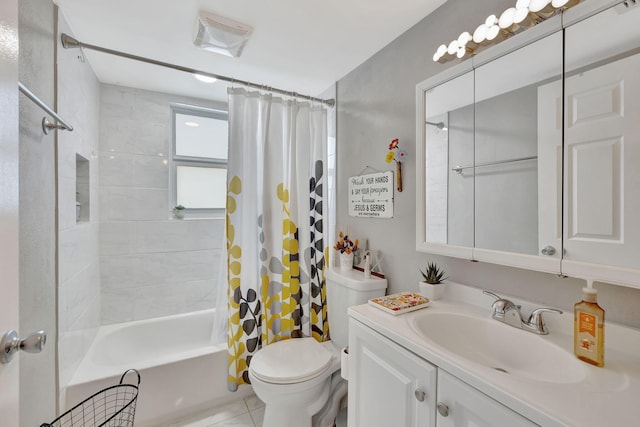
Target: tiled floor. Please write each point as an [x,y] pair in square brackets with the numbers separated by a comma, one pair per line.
[246,412]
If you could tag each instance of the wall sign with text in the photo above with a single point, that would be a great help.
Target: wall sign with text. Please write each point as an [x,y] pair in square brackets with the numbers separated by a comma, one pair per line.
[371,195]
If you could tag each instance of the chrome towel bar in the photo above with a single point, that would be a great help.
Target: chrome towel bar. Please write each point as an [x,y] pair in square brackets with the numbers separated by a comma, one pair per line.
[459,169]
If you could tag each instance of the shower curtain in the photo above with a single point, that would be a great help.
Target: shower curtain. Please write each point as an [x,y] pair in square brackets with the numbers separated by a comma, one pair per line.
[276,249]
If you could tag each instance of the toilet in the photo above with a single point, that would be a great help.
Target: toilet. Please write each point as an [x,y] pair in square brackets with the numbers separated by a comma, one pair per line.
[299,379]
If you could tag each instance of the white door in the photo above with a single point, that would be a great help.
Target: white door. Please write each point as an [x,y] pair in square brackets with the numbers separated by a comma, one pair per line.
[388,385]
[460,405]
[602,150]
[9,203]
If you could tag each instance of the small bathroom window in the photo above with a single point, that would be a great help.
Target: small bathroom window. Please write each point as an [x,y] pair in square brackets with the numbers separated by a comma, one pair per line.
[199,158]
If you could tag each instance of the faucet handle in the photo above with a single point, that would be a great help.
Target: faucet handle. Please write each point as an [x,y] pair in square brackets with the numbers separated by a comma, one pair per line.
[536,322]
[501,305]
[491,294]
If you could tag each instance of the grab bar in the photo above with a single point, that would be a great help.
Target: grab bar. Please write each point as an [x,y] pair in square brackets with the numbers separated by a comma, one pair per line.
[459,169]
[46,124]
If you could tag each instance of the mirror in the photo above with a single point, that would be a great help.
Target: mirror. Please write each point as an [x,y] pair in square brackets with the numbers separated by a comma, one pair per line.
[449,141]
[517,150]
[492,159]
[540,163]
[602,144]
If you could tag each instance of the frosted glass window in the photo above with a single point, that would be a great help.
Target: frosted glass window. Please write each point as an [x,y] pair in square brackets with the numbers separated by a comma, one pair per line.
[201,187]
[199,160]
[200,136]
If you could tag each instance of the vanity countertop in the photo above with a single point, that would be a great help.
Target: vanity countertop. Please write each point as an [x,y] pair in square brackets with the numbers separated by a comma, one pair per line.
[604,396]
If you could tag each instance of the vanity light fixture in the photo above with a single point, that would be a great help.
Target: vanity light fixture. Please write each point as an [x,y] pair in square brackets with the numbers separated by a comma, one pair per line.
[525,14]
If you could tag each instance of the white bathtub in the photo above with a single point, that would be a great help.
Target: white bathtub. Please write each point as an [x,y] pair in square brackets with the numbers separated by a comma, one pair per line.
[181,371]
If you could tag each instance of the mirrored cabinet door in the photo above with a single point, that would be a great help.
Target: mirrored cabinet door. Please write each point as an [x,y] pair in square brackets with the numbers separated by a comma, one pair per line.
[602,146]
[518,152]
[447,202]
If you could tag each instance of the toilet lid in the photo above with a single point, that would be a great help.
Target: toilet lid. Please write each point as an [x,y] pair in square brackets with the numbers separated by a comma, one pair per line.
[290,361]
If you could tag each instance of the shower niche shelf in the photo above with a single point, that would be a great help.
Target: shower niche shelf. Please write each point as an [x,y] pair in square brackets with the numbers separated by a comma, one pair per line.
[83,195]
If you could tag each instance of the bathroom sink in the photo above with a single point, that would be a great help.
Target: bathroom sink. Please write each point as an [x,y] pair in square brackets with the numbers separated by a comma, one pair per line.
[498,346]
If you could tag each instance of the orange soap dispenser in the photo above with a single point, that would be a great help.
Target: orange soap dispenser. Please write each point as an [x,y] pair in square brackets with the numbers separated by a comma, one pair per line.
[588,334]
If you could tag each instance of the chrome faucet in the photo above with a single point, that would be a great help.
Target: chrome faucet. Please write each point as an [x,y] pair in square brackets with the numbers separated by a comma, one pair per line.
[507,312]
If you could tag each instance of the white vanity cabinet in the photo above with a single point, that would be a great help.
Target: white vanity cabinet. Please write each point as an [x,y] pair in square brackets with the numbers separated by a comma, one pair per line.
[460,405]
[391,386]
[388,385]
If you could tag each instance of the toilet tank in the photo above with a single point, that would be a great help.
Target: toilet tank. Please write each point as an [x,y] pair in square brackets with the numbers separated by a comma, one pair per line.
[346,289]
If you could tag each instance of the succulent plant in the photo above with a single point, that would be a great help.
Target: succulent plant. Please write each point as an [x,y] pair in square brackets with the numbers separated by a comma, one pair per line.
[433,274]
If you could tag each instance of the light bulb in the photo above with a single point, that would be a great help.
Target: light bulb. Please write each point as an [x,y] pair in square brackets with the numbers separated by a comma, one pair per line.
[506,19]
[493,32]
[480,34]
[491,20]
[464,38]
[453,47]
[461,52]
[520,15]
[205,79]
[538,5]
[442,49]
[436,57]
[563,3]
[522,4]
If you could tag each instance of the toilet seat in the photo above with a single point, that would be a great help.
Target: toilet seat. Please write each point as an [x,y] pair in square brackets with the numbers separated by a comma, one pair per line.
[291,361]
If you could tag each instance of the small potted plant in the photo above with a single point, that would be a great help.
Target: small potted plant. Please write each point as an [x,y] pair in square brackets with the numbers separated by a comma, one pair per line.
[346,248]
[178,212]
[432,286]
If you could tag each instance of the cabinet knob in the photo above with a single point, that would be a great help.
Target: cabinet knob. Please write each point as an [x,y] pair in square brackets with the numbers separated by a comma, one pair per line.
[420,395]
[548,251]
[443,409]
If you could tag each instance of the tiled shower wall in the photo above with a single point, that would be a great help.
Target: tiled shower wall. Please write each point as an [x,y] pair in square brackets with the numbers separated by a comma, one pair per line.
[151,265]
[78,264]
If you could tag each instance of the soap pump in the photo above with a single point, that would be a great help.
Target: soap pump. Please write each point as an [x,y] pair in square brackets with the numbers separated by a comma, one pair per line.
[588,344]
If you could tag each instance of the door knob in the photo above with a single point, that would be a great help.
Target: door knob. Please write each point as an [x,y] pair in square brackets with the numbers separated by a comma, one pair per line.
[11,343]
[443,409]
[420,395]
[548,251]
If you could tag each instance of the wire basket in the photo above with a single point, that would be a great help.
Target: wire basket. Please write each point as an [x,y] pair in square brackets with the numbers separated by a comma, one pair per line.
[113,406]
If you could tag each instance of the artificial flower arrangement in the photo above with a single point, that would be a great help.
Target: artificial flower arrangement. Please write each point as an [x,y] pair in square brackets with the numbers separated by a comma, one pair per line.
[344,245]
[399,156]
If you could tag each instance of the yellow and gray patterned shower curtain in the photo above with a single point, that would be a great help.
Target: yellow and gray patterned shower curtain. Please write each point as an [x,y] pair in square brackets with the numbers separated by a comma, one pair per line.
[276,250]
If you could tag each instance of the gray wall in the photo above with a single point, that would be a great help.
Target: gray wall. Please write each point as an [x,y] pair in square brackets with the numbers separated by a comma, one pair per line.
[78,265]
[37,213]
[376,103]
[151,265]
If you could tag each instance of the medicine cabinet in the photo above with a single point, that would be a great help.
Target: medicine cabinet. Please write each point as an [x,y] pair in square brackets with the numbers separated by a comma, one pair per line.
[528,152]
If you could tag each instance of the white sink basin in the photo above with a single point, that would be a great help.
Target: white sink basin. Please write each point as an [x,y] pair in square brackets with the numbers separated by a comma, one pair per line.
[498,346]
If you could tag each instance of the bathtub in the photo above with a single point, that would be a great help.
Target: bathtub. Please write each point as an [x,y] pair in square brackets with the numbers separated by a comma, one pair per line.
[182,373]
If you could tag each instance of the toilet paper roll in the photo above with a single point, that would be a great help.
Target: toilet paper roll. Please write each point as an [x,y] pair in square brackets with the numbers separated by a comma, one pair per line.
[344,363]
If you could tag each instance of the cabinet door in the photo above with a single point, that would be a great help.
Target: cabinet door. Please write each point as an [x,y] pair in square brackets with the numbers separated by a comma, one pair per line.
[602,153]
[388,385]
[467,407]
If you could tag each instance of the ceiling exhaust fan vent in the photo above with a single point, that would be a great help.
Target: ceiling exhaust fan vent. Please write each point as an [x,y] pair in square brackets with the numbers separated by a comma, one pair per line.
[221,35]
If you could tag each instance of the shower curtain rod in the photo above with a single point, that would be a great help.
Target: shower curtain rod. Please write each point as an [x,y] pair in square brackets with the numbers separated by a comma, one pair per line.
[70,42]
